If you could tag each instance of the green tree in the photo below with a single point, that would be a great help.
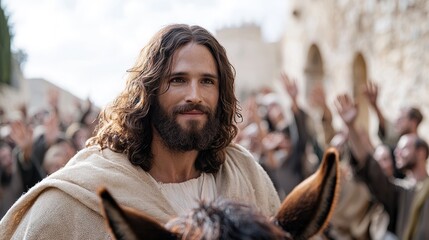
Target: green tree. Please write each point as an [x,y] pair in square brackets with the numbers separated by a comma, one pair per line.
[5,51]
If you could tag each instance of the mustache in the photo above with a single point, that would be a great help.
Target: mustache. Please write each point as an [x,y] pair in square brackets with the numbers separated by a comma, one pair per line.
[190,107]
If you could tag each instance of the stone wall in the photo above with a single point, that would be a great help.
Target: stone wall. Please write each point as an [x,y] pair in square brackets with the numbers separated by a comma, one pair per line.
[257,63]
[379,40]
[38,98]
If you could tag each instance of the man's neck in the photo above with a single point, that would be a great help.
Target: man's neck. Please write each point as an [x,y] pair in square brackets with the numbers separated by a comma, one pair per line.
[413,131]
[418,174]
[172,166]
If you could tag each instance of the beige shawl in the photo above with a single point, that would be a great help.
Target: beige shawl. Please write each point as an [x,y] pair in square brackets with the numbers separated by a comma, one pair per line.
[65,205]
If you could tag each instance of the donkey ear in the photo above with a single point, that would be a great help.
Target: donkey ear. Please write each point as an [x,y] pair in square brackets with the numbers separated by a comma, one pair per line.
[129,224]
[308,208]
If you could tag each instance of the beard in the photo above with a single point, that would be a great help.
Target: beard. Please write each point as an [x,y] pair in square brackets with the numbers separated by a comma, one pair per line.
[175,137]
[408,165]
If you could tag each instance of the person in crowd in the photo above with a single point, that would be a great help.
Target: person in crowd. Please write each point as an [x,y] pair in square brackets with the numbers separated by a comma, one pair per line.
[11,185]
[284,159]
[318,99]
[17,173]
[411,155]
[358,215]
[29,137]
[88,115]
[253,128]
[407,122]
[58,155]
[42,137]
[385,158]
[163,143]
[78,134]
[22,137]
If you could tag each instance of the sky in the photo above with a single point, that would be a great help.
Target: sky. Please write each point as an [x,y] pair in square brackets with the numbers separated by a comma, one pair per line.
[86,46]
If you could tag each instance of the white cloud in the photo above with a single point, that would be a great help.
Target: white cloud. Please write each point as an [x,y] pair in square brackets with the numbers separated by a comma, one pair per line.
[87,46]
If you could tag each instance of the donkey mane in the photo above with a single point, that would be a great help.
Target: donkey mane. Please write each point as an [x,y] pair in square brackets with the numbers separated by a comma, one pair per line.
[225,219]
[303,213]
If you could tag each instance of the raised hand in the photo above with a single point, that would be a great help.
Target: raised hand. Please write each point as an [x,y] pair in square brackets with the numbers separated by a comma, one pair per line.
[252,109]
[371,92]
[22,135]
[52,128]
[290,86]
[359,144]
[292,90]
[346,108]
[53,97]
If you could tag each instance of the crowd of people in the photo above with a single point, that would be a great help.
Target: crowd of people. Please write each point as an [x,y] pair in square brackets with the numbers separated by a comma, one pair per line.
[157,124]
[380,183]
[35,146]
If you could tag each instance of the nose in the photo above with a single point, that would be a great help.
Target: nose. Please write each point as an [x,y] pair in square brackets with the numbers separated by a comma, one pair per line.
[194,93]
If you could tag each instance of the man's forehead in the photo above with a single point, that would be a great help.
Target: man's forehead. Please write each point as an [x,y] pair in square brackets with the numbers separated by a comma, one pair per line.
[406,140]
[186,56]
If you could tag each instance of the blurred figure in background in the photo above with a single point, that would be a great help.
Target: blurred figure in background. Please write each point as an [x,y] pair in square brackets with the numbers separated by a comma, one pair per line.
[58,155]
[285,157]
[35,146]
[385,158]
[11,185]
[78,134]
[357,215]
[17,172]
[407,121]
[411,155]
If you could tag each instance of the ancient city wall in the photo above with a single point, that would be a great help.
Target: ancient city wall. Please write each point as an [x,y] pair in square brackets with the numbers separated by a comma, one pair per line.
[344,43]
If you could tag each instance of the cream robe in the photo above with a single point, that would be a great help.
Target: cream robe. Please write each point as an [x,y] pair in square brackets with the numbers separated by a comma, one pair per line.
[65,205]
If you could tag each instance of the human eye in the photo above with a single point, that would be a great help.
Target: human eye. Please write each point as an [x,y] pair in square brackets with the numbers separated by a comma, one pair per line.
[208,81]
[177,80]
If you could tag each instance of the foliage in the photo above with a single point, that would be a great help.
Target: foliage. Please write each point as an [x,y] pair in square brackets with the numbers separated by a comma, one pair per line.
[5,50]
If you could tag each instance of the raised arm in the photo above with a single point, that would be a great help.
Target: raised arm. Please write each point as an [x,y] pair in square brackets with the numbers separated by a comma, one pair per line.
[292,90]
[300,117]
[371,93]
[348,112]
[367,168]
[22,135]
[318,98]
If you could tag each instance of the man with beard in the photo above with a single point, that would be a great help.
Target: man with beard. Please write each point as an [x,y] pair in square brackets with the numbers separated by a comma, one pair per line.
[163,144]
[406,204]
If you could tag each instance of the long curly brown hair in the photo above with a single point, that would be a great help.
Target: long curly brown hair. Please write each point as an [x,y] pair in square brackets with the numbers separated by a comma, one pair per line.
[125,125]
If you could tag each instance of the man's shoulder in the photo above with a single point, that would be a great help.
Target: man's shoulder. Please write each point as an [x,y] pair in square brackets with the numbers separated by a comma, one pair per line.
[94,153]
[86,153]
[91,168]
[242,178]
[236,152]
[239,157]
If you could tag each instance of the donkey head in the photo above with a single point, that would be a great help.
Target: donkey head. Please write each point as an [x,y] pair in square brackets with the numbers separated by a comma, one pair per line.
[303,213]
